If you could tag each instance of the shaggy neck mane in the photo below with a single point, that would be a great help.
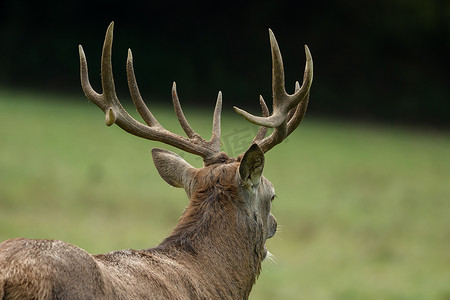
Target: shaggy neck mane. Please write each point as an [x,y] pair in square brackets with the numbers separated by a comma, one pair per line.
[217,231]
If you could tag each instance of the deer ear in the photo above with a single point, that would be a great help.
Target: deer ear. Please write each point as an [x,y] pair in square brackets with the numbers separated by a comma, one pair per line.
[252,165]
[172,167]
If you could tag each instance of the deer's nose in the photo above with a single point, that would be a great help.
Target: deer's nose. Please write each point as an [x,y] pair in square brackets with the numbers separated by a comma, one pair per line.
[272,227]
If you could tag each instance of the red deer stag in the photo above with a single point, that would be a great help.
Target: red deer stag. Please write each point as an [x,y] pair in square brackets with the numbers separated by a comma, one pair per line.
[217,247]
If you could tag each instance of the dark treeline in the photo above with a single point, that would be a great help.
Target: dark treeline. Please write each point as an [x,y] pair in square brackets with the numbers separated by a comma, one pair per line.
[383,60]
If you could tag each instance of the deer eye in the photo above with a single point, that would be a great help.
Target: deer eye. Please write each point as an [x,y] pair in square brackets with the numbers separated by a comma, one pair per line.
[273,197]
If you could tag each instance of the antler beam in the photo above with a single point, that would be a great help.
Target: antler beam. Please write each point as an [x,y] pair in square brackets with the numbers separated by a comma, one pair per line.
[288,110]
[109,103]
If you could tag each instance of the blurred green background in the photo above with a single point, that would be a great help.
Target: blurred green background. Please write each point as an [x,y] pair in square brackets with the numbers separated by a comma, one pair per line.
[363,208]
[363,185]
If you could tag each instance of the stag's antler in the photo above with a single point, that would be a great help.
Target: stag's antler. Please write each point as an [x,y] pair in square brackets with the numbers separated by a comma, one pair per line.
[115,113]
[288,110]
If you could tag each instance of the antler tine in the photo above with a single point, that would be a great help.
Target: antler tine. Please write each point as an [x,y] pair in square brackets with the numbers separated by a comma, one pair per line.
[180,115]
[115,113]
[283,119]
[292,111]
[90,93]
[216,129]
[297,112]
[109,89]
[262,129]
[139,103]
[215,137]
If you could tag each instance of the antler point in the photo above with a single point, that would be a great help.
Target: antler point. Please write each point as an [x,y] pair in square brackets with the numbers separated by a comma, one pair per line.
[81,53]
[239,111]
[308,53]
[272,37]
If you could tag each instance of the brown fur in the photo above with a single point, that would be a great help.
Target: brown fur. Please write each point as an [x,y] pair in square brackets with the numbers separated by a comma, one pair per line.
[215,251]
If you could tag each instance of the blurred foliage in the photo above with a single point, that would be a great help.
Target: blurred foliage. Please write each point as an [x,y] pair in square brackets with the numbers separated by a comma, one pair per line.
[363,209]
[373,59]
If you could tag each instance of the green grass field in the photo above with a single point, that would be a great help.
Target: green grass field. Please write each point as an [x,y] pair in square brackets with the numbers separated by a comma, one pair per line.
[364,209]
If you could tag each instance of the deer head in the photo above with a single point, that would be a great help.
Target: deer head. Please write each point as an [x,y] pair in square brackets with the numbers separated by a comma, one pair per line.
[230,200]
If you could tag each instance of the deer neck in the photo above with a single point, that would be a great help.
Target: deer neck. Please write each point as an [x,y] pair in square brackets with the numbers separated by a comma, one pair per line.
[223,243]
